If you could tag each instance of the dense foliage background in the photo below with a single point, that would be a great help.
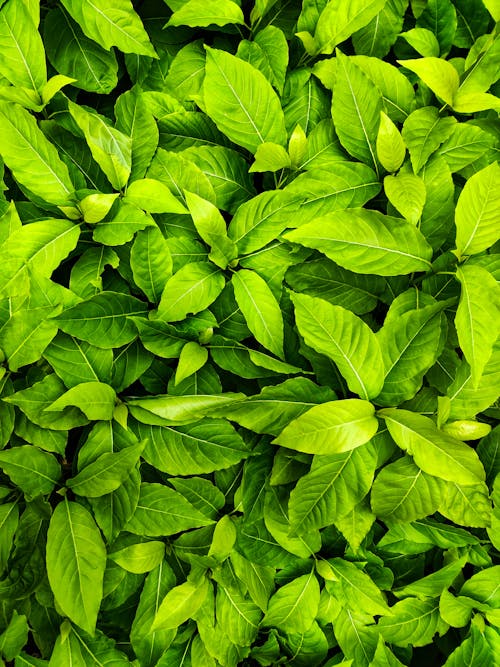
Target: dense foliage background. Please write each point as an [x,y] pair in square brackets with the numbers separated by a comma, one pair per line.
[249,312]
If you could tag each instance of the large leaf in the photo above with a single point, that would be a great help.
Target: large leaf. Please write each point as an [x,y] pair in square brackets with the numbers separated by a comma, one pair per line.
[344,338]
[151,262]
[241,102]
[33,160]
[476,318]
[410,344]
[402,492]
[110,24]
[77,361]
[333,487]
[331,428]
[211,444]
[75,55]
[102,320]
[39,247]
[294,606]
[35,472]
[337,22]
[95,399]
[434,452]
[76,560]
[366,241]
[23,57]
[260,309]
[198,13]
[111,149]
[356,110]
[161,511]
[476,216]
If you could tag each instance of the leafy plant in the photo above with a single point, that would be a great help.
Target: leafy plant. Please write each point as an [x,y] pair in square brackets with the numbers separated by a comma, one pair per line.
[249,317]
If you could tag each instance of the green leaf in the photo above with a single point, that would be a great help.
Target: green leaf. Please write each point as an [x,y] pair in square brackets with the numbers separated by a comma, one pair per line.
[202,13]
[433,584]
[34,399]
[324,279]
[294,606]
[153,196]
[270,157]
[35,472]
[390,146]
[191,289]
[440,75]
[237,616]
[412,622]
[476,215]
[106,474]
[95,399]
[374,244]
[466,144]
[407,194]
[410,343]
[435,452]
[377,36]
[210,444]
[186,408]
[423,131]
[276,406]
[110,24]
[422,40]
[23,55]
[135,120]
[121,227]
[102,319]
[148,645]
[111,149]
[333,487]
[260,309]
[39,248]
[77,362]
[151,262]
[34,161]
[71,53]
[337,22]
[384,657]
[180,603]
[467,505]
[260,220]
[344,338]
[439,16]
[331,428]
[161,511]
[9,520]
[76,560]
[241,102]
[211,226]
[346,581]
[478,310]
[356,110]
[402,492]
[191,359]
[14,637]
[139,558]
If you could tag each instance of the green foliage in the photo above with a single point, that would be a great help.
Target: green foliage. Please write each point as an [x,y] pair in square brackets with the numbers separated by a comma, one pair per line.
[249,319]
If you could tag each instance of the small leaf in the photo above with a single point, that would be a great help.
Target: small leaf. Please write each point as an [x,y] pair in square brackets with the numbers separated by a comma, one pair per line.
[191,359]
[153,196]
[180,603]
[407,194]
[391,148]
[294,606]
[270,157]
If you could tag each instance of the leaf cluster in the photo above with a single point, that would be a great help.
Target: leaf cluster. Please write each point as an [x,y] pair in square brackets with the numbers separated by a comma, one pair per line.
[249,318]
